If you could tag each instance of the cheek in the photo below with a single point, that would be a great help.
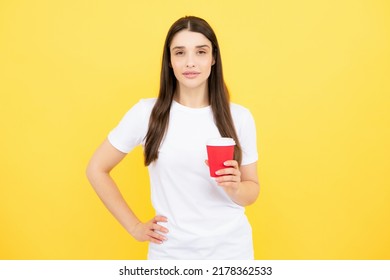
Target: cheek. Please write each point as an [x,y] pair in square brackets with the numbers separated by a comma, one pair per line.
[176,65]
[207,61]
[176,68]
[206,64]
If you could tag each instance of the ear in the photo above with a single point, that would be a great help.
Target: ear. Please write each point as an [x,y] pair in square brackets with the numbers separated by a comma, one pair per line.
[214,55]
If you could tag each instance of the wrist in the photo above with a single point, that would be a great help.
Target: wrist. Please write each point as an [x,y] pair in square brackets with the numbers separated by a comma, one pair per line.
[235,192]
[132,228]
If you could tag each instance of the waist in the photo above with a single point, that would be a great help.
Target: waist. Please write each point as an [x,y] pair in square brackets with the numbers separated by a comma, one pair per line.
[229,241]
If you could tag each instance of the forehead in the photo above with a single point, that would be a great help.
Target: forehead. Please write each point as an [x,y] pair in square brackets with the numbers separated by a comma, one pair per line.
[189,39]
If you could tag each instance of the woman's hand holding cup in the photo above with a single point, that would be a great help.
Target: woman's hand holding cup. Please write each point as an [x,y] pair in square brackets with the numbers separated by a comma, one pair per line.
[222,166]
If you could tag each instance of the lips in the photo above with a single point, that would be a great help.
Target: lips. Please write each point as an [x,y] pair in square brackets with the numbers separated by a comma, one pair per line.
[191,74]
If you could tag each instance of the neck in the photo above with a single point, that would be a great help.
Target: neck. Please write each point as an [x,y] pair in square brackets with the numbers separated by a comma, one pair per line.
[193,98]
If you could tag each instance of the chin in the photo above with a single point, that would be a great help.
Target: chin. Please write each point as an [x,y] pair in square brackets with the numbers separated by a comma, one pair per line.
[193,84]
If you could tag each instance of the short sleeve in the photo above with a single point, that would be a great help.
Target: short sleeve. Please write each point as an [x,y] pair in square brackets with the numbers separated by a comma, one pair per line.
[246,130]
[132,129]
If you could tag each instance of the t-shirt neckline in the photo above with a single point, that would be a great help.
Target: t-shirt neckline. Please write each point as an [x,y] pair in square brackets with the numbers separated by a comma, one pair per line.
[177,105]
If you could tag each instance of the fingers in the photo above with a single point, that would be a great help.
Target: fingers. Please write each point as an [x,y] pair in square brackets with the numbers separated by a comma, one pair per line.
[151,231]
[155,237]
[228,179]
[228,171]
[232,169]
[156,226]
[154,230]
[159,218]
[230,176]
[232,163]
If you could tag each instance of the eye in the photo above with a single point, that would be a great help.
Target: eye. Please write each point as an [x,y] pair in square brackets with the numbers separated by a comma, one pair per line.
[179,53]
[201,52]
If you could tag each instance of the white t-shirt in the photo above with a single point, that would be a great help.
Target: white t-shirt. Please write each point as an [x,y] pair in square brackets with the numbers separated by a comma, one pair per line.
[203,222]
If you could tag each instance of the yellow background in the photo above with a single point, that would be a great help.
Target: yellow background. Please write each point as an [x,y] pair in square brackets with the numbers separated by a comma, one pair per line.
[315,75]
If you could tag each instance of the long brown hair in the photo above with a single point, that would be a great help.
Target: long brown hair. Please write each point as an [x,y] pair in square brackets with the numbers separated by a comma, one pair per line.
[218,92]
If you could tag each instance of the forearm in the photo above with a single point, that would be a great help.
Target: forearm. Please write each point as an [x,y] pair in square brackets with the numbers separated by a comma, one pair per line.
[110,195]
[246,194]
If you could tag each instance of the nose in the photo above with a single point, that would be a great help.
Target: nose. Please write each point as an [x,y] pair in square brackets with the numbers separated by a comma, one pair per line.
[190,63]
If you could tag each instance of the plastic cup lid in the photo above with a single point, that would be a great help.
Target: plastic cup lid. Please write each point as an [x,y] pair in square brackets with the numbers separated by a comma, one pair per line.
[222,141]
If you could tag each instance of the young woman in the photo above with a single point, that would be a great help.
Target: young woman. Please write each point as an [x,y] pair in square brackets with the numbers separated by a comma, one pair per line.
[197,216]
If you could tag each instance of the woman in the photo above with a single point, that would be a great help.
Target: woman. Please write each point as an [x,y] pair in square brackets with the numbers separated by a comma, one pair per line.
[197,216]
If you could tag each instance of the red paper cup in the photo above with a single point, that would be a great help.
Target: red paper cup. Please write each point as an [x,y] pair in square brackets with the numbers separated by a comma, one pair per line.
[219,150]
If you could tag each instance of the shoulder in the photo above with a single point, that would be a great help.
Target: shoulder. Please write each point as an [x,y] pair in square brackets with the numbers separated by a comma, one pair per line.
[142,107]
[239,111]
[242,117]
[139,111]
[147,103]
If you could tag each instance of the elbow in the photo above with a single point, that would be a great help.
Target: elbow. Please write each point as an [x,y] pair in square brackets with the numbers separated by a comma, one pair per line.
[91,171]
[95,172]
[255,194]
[258,189]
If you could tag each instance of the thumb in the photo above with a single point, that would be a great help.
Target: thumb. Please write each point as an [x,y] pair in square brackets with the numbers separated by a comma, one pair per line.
[207,162]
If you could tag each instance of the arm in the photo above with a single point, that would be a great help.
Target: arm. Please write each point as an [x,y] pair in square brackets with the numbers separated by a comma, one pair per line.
[240,183]
[102,162]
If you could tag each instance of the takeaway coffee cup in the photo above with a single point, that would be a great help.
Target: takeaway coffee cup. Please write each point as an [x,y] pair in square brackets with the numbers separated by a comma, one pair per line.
[219,150]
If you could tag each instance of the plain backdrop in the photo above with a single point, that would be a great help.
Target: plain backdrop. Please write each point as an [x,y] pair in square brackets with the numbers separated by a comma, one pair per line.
[315,75]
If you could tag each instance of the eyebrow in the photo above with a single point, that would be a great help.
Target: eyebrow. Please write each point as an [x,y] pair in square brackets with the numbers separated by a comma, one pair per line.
[198,47]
